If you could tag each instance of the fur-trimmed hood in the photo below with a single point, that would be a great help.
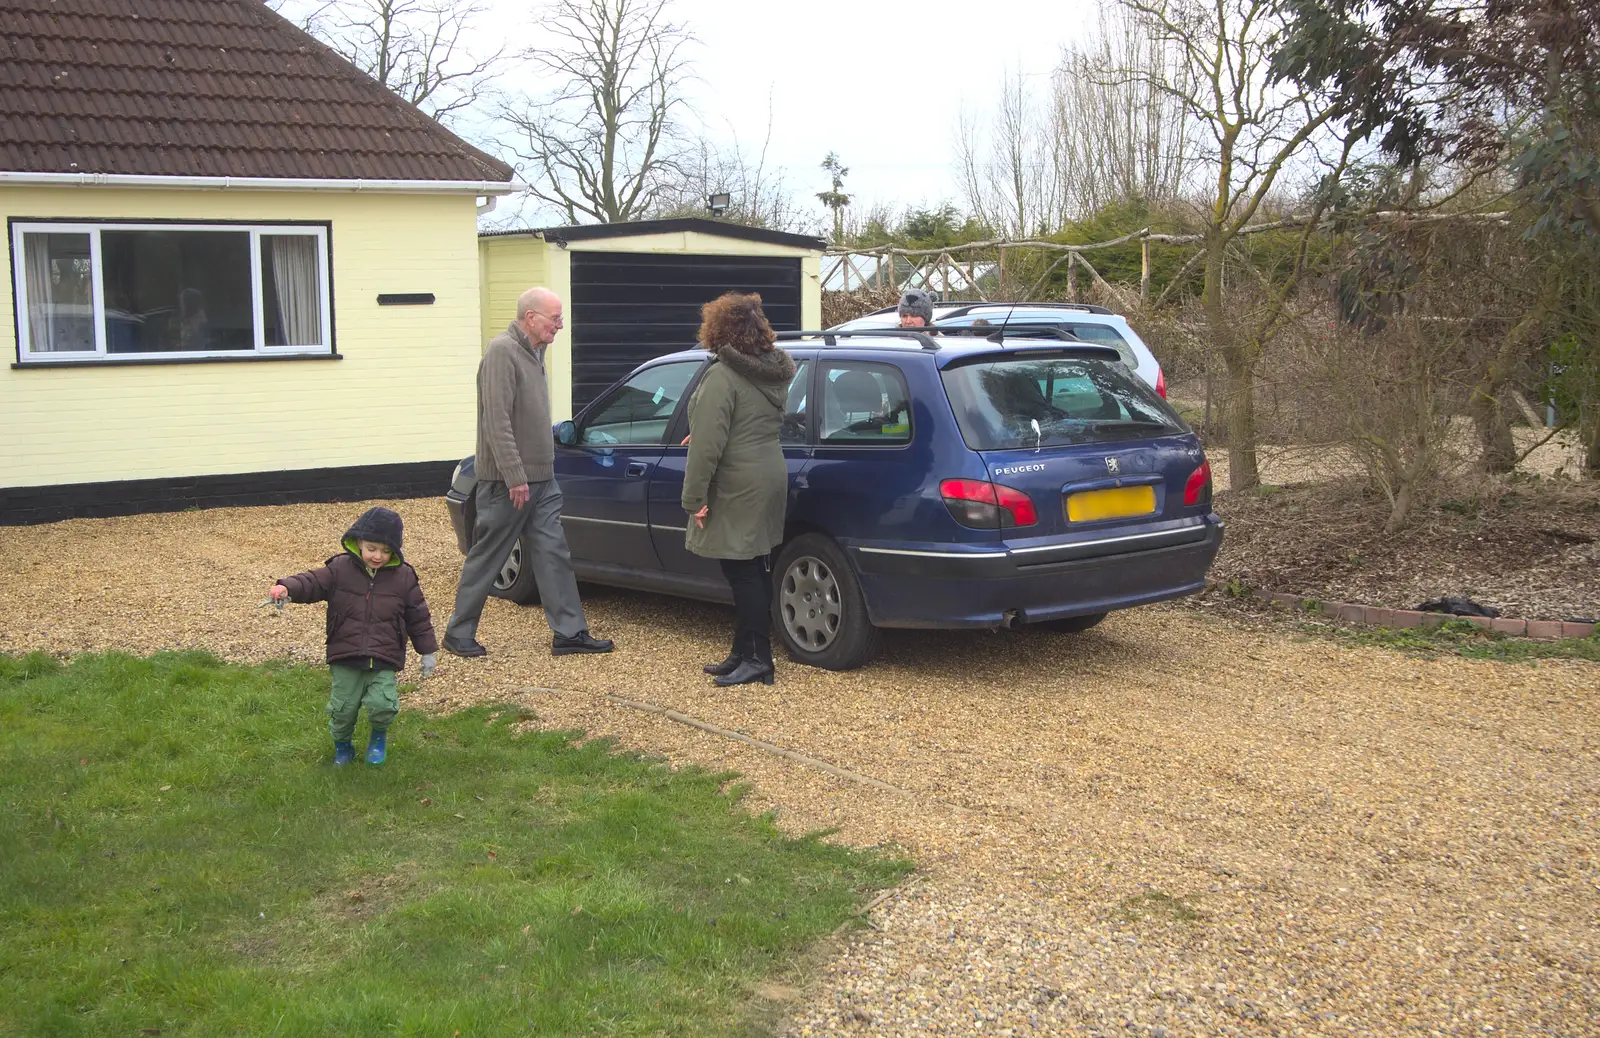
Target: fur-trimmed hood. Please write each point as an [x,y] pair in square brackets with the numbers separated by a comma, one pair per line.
[770,372]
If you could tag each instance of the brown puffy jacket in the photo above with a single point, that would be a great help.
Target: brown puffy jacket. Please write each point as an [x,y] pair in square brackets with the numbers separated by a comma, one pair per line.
[369,615]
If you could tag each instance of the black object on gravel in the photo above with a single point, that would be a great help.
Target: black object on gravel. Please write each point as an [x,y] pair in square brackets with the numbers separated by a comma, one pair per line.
[1457,607]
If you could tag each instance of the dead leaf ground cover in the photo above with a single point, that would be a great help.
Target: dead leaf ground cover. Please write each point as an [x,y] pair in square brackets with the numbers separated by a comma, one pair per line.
[1532,550]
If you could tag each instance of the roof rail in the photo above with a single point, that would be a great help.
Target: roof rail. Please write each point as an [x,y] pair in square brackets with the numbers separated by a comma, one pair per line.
[964,306]
[925,339]
[830,338]
[1089,308]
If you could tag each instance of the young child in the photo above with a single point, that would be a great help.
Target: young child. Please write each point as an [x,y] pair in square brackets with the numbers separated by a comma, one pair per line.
[374,601]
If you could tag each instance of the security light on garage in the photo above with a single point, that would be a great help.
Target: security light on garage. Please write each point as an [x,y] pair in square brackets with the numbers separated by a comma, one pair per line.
[719,202]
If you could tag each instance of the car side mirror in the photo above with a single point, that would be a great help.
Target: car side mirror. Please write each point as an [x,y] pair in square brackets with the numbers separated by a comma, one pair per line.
[567,434]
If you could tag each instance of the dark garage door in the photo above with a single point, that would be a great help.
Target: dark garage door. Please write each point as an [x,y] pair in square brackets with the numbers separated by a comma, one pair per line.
[629,307]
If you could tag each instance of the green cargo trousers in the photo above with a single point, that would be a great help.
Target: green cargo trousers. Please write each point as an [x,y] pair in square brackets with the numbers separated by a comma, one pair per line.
[354,688]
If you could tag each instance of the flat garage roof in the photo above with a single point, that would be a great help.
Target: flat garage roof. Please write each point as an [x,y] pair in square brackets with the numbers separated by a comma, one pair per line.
[639,228]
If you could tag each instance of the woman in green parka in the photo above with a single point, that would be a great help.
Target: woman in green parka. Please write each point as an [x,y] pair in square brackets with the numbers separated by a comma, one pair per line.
[736,484]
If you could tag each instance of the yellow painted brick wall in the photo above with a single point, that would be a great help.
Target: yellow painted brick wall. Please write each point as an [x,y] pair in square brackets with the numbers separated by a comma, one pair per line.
[510,266]
[404,392]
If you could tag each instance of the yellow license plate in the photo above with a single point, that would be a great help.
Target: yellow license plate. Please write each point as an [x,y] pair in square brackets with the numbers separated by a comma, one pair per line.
[1116,503]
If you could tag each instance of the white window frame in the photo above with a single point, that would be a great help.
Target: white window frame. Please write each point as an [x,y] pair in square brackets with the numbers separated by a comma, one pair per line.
[26,355]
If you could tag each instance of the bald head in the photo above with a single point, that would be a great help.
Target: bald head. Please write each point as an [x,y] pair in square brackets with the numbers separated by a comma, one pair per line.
[539,315]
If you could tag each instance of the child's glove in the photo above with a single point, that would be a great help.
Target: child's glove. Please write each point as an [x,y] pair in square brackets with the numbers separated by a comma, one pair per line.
[430,661]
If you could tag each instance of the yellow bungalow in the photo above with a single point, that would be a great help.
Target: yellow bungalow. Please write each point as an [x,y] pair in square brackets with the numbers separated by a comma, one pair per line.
[240,270]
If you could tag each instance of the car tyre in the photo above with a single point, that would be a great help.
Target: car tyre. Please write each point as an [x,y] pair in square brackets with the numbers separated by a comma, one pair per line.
[1071,624]
[515,581]
[817,606]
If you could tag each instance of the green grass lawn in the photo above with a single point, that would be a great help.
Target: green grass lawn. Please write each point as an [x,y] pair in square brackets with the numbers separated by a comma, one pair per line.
[178,853]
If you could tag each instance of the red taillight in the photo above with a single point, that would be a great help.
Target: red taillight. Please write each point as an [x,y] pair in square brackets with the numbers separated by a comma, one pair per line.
[1199,483]
[967,490]
[1161,383]
[1018,504]
[985,506]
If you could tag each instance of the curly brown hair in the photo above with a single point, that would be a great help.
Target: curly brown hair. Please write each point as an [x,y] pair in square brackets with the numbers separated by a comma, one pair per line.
[736,320]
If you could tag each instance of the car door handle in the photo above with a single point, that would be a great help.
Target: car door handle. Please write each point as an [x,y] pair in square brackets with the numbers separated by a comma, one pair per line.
[638,468]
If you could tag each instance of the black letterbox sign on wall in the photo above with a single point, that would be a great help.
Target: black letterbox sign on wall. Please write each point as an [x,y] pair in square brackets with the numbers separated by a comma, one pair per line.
[405,298]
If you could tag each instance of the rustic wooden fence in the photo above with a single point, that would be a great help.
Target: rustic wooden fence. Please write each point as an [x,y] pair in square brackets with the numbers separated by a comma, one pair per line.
[990,269]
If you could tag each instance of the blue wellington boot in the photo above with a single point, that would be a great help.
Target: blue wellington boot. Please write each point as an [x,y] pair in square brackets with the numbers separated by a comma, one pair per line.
[343,752]
[375,746]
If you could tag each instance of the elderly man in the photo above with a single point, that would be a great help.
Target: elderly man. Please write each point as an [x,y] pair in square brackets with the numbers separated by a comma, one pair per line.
[915,309]
[517,492]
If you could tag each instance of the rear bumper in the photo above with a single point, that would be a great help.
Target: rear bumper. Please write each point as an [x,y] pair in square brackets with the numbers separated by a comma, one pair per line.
[917,588]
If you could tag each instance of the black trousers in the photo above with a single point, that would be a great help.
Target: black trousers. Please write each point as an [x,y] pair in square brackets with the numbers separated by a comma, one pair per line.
[751,582]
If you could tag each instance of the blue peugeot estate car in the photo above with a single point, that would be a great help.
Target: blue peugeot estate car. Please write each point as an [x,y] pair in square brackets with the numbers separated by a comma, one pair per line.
[935,481]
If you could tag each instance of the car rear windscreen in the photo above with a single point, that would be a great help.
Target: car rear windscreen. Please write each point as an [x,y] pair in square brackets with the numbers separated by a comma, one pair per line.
[1021,401]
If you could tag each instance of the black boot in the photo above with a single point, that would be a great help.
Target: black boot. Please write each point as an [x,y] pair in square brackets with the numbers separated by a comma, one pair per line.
[735,654]
[755,665]
[748,671]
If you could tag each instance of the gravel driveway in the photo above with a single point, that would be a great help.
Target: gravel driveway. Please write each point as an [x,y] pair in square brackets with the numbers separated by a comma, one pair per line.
[1167,825]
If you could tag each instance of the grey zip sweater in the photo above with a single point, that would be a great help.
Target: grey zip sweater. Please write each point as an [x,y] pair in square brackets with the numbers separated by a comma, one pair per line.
[515,444]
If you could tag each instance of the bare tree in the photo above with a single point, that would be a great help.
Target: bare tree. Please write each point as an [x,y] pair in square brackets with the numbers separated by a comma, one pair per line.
[605,143]
[1008,168]
[1423,310]
[1120,130]
[873,225]
[759,195]
[1109,129]
[420,49]
[1254,136]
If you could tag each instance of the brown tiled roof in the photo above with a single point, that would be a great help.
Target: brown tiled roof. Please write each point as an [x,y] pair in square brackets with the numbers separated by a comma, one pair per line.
[203,88]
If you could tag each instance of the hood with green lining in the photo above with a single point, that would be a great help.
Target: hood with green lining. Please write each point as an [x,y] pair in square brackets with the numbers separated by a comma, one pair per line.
[381,526]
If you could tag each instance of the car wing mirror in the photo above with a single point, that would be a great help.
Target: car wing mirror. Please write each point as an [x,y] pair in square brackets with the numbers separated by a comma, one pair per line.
[567,434]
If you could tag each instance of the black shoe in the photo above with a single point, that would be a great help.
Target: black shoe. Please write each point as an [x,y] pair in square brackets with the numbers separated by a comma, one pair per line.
[747,672]
[466,650]
[725,667]
[579,644]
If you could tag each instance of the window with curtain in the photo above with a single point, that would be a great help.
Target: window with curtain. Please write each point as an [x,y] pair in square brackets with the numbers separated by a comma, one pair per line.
[292,289]
[154,291]
[58,289]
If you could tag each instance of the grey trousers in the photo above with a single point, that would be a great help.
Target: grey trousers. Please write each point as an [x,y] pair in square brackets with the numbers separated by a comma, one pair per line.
[498,527]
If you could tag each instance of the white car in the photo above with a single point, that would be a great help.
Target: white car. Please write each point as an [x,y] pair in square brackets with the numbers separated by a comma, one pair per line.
[1082,320]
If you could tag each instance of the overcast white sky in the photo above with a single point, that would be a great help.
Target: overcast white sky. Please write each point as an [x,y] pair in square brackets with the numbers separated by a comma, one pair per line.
[880,83]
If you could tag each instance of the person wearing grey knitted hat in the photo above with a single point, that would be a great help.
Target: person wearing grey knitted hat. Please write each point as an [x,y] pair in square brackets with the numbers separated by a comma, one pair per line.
[915,309]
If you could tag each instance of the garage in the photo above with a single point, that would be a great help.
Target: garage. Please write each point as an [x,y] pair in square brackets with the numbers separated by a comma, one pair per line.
[629,307]
[634,290]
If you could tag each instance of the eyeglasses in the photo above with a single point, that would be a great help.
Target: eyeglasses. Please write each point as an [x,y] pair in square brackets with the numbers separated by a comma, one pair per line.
[556,320]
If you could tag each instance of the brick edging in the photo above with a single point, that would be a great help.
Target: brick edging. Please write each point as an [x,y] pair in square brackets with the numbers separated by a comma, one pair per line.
[1351,612]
